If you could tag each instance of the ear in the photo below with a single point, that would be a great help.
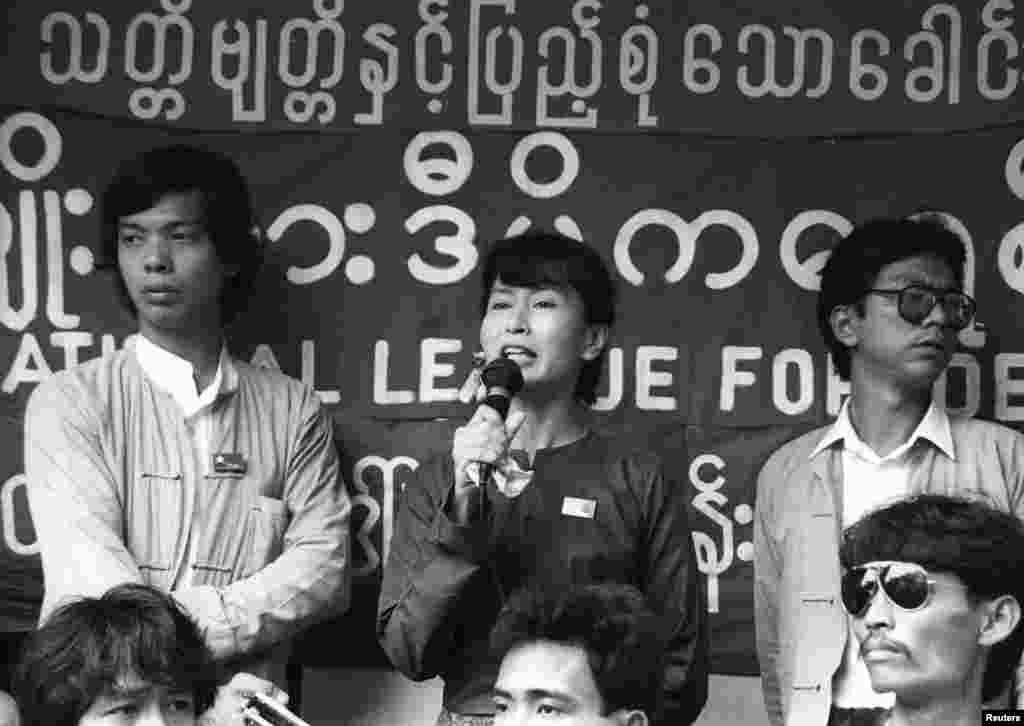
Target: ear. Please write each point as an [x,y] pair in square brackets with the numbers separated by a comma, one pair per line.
[624,717]
[596,340]
[844,319]
[1002,615]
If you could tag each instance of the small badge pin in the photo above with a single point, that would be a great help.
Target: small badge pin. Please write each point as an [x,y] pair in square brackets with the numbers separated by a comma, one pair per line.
[229,463]
[575,507]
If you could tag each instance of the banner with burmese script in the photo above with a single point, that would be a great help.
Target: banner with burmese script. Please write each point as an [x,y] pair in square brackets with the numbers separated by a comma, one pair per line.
[711,155]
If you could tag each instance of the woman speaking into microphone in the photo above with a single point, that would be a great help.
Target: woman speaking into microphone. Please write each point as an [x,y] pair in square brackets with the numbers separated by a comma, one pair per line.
[537,498]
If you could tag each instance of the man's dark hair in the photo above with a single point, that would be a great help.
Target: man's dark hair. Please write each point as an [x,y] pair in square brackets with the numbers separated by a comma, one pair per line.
[853,267]
[85,649]
[611,622]
[981,545]
[142,181]
[549,259]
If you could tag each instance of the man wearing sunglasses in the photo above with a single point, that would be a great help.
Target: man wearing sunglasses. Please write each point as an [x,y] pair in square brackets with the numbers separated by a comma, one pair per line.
[934,586]
[890,308]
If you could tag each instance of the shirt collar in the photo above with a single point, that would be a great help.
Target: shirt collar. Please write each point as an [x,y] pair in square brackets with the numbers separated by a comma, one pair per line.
[933,427]
[174,375]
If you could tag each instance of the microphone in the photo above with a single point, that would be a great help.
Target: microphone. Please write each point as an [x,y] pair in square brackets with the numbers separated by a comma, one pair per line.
[502,380]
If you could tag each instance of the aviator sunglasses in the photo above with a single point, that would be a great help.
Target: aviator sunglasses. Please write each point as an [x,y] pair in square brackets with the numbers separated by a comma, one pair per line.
[905,584]
[916,302]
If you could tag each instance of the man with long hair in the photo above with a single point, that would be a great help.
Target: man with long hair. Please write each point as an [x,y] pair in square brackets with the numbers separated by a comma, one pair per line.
[934,585]
[174,464]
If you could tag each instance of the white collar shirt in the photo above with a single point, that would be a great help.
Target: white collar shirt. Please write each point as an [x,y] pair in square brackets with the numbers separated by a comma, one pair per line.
[176,376]
[871,481]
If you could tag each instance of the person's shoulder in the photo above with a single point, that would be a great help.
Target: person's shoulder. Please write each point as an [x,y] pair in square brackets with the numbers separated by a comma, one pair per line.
[274,384]
[9,715]
[975,432]
[796,452]
[279,400]
[778,487]
[618,446]
[968,425]
[264,375]
[91,379]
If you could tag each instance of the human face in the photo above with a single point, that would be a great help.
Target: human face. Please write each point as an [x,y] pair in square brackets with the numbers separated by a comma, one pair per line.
[542,329]
[546,682]
[171,268]
[135,702]
[922,655]
[887,346]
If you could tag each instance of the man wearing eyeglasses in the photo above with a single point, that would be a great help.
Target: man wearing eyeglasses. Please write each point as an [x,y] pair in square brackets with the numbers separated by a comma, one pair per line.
[934,587]
[890,307]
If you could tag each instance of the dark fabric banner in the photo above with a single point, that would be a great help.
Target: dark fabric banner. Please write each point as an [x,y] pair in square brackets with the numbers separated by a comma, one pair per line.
[375,230]
[746,68]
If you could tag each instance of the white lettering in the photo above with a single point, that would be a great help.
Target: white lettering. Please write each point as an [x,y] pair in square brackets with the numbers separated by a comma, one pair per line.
[438,175]
[383,512]
[647,378]
[55,264]
[732,376]
[570,164]
[329,222]
[781,363]
[1014,169]
[308,349]
[11,318]
[52,144]
[489,62]
[459,245]
[29,365]
[807,274]
[431,369]
[616,383]
[711,561]
[687,234]
[1007,386]
[1010,261]
[381,394]
[70,341]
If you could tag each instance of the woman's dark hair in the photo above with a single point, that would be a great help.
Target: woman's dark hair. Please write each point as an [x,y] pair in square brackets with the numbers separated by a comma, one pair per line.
[549,259]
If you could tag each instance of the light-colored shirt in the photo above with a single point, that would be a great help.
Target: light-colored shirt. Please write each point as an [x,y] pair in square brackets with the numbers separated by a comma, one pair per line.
[114,490]
[176,376]
[871,481]
[801,626]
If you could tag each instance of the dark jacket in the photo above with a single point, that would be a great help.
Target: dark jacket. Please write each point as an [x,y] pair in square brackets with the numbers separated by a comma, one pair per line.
[444,584]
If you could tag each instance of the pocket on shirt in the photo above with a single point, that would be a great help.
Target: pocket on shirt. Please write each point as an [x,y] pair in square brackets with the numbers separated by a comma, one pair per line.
[268,519]
[241,527]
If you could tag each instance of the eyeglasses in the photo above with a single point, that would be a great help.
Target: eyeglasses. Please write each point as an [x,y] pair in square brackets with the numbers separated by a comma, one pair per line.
[916,302]
[905,584]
